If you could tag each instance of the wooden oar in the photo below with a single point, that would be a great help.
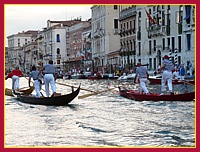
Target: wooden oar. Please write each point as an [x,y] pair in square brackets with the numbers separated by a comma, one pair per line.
[75,87]
[91,94]
[186,82]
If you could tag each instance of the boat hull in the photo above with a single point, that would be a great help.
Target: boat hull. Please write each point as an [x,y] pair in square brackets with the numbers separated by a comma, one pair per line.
[136,95]
[50,101]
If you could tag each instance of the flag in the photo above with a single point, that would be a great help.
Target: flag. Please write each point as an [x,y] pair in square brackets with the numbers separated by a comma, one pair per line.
[82,55]
[151,20]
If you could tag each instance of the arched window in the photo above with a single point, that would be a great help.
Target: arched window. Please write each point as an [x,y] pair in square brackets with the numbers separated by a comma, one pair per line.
[58,38]
[58,51]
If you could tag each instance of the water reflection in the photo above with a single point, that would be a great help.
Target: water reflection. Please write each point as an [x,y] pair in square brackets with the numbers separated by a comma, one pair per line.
[101,120]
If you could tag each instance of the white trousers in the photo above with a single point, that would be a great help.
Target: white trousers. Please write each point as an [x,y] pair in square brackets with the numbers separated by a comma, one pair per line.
[49,79]
[191,70]
[37,87]
[182,77]
[15,82]
[143,82]
[166,77]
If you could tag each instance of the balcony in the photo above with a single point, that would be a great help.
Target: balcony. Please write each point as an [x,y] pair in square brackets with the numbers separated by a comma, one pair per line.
[116,31]
[156,30]
[97,34]
[128,12]
[58,56]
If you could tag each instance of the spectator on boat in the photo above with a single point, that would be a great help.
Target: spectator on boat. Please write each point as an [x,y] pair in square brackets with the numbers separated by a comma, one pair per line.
[182,72]
[37,81]
[190,68]
[167,67]
[50,75]
[143,75]
[176,74]
[159,68]
[15,74]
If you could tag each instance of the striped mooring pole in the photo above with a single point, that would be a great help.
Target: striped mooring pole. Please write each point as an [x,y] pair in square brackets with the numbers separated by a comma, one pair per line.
[170,54]
[175,59]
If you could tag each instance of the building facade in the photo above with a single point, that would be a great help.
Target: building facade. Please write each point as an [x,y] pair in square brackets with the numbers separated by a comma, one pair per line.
[116,37]
[105,41]
[16,46]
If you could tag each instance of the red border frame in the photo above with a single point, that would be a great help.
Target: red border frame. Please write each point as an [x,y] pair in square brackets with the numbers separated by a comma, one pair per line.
[2,38]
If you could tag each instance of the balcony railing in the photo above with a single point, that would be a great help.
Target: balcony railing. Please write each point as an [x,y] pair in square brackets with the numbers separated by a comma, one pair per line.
[157,30]
[127,12]
[58,56]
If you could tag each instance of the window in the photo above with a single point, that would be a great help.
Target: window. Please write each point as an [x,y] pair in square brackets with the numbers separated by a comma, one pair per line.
[179,15]
[188,13]
[115,23]
[188,42]
[168,42]
[150,63]
[154,8]
[154,45]
[115,7]
[163,42]
[131,25]
[139,14]
[58,51]
[168,7]
[57,38]
[179,43]
[150,48]
[58,61]
[131,45]
[173,44]
[139,48]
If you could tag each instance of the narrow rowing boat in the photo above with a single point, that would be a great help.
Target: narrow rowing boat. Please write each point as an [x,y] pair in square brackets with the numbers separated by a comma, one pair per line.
[49,101]
[136,95]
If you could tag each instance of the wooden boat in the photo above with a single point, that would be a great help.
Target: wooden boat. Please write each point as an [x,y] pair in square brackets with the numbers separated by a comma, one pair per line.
[136,95]
[50,101]
[8,92]
[24,91]
[156,80]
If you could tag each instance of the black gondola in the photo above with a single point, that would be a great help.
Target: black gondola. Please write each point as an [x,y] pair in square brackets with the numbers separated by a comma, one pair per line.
[50,101]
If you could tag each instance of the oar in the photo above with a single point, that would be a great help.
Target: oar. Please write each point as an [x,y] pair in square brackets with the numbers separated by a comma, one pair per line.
[75,87]
[91,94]
[186,82]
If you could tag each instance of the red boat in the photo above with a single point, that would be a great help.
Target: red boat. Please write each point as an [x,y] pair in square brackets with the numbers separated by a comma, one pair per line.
[136,95]
[174,81]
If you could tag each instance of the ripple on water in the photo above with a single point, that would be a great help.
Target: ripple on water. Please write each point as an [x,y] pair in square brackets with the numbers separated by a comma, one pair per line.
[100,120]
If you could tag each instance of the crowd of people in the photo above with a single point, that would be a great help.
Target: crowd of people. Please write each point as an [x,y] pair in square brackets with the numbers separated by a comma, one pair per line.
[49,74]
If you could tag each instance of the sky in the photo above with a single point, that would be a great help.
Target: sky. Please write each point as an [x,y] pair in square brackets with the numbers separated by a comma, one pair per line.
[20,18]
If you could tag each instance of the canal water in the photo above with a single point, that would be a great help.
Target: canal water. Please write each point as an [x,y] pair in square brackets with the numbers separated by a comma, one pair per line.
[101,120]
